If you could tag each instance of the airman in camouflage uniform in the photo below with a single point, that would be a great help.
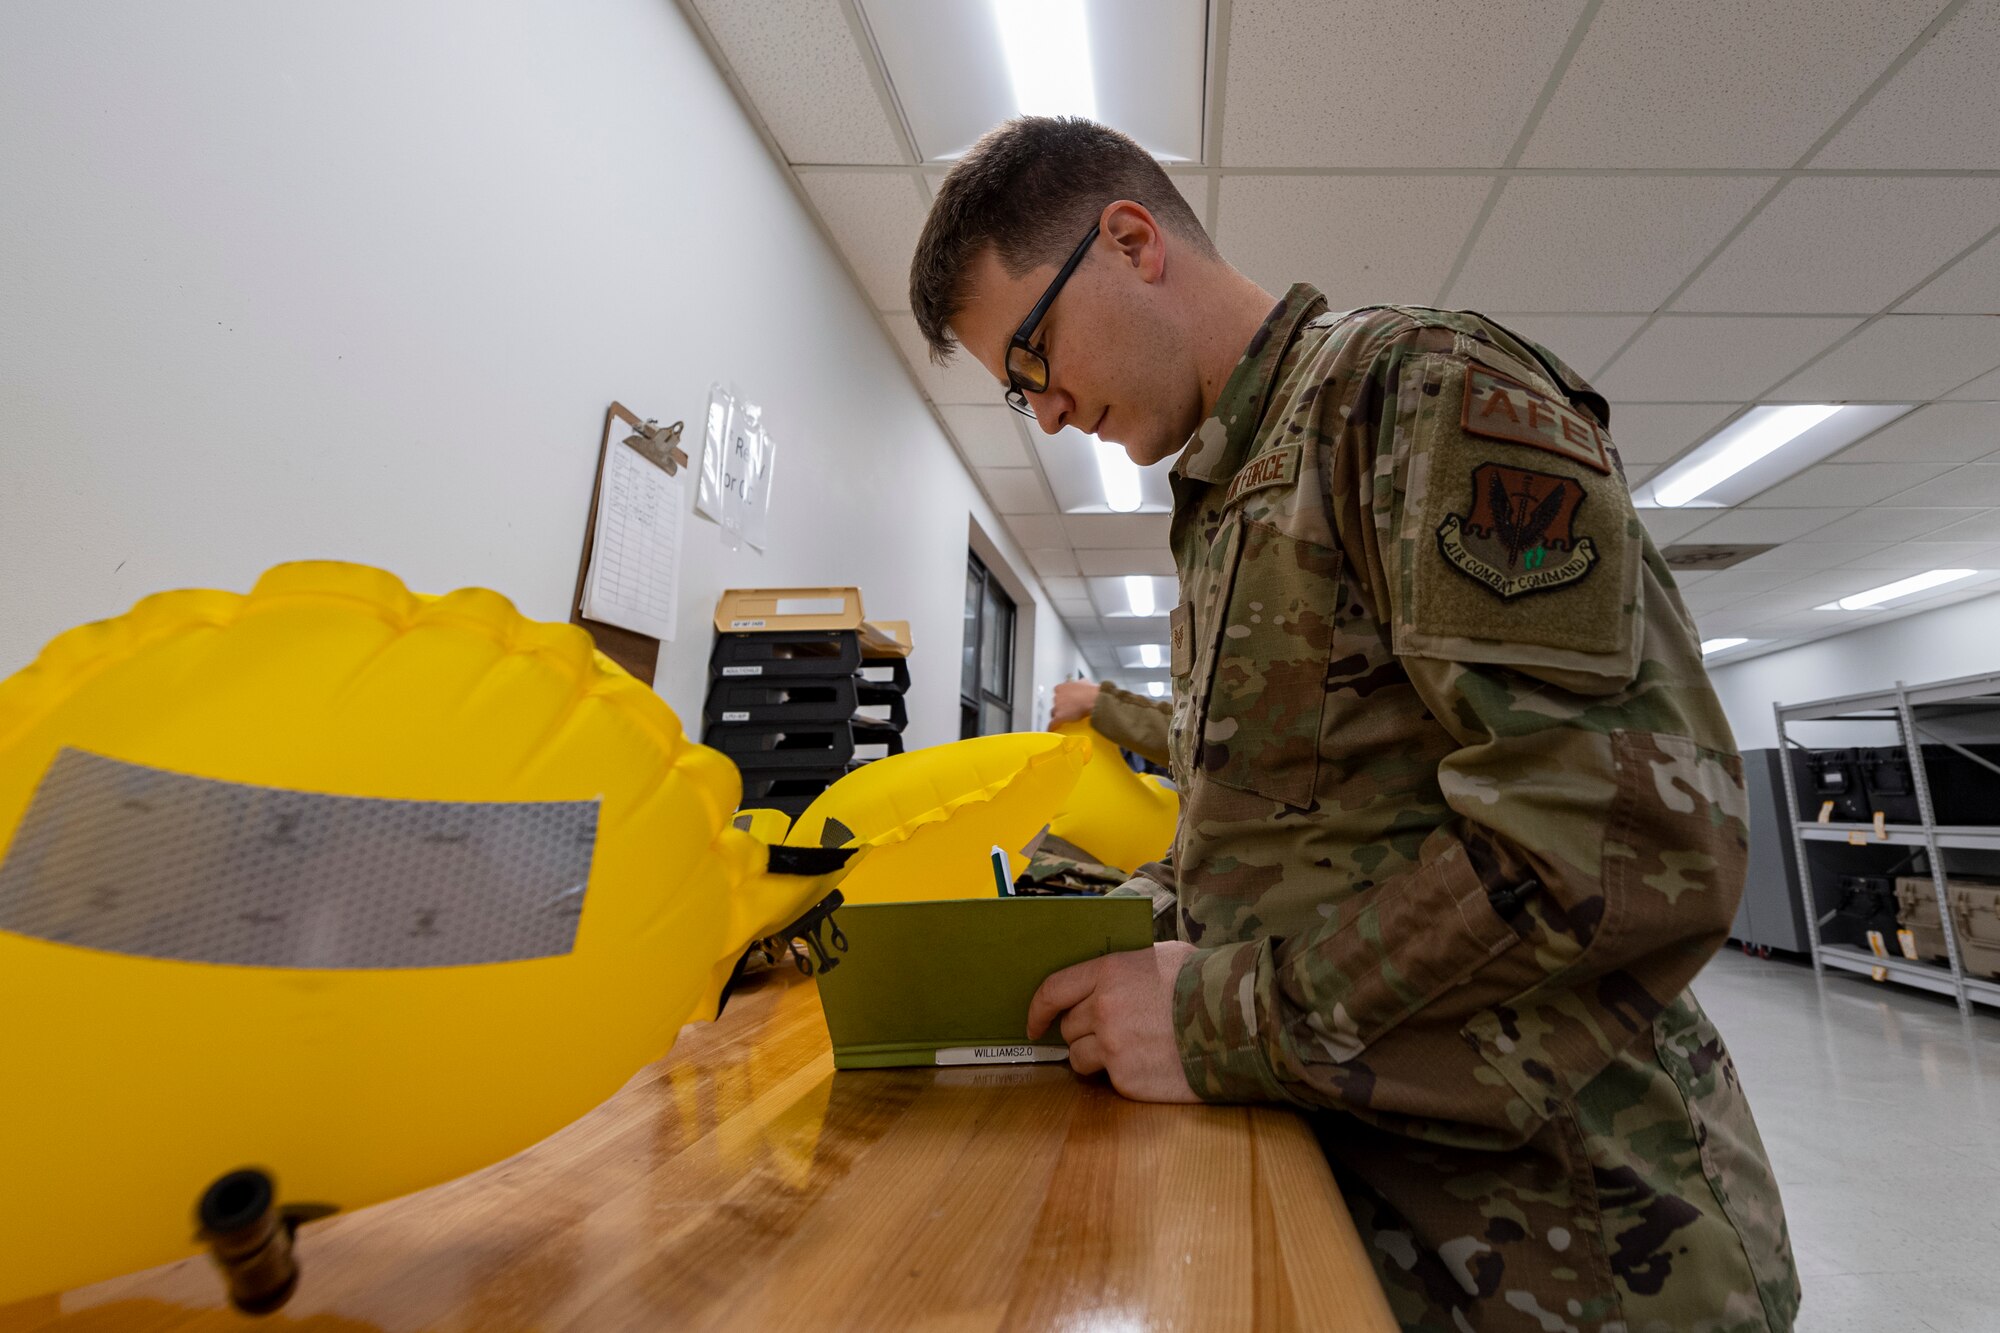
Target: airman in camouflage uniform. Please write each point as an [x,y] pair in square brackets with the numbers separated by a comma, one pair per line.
[1461,816]
[1461,819]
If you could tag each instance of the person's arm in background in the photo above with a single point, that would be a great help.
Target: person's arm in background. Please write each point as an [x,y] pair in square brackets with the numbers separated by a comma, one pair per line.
[1140,725]
[1130,720]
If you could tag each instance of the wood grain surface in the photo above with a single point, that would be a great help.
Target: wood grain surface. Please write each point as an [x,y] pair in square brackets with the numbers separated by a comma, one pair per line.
[741,1183]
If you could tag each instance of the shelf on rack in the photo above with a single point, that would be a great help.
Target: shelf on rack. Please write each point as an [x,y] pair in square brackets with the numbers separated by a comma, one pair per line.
[1930,976]
[1960,837]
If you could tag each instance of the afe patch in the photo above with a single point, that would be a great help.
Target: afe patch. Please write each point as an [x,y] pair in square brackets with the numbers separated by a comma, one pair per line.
[1500,409]
[1521,536]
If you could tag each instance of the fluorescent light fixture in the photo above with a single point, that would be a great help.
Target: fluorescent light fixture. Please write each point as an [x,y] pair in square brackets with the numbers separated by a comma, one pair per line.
[1758,432]
[1149,655]
[1047,45]
[1120,477]
[1139,593]
[1157,688]
[1889,592]
[1718,645]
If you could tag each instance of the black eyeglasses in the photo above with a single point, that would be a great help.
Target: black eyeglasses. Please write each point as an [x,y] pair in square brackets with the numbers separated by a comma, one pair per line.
[1028,369]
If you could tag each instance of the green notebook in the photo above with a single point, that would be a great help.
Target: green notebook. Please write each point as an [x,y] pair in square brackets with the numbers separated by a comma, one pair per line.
[948,983]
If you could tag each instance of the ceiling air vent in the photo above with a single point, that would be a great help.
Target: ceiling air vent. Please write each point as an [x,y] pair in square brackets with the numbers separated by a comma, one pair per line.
[1710,557]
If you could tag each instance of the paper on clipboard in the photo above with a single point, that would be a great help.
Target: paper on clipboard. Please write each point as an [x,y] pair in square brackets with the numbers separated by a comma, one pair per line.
[635,559]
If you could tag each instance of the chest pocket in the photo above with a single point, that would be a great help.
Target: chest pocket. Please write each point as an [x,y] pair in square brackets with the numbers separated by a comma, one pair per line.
[1265,677]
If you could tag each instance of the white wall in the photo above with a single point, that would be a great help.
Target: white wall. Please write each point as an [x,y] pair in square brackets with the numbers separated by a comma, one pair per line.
[1958,640]
[357,280]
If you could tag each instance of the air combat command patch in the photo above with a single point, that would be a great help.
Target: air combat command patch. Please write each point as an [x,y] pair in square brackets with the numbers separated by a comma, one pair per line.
[1521,536]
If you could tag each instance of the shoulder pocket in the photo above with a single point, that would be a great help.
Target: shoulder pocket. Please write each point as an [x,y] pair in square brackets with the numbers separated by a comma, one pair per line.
[1266,686]
[1519,546]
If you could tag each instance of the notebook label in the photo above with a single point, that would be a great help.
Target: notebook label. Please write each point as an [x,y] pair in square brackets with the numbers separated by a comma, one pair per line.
[1001,1055]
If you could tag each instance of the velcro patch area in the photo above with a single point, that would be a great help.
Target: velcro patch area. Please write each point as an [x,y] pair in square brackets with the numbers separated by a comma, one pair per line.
[1500,409]
[1280,467]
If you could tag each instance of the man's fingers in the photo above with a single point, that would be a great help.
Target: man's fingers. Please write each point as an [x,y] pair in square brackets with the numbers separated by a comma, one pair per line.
[1086,1056]
[1081,1021]
[1059,991]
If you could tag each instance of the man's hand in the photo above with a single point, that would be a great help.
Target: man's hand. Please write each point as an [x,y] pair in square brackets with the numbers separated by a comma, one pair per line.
[1072,701]
[1118,1016]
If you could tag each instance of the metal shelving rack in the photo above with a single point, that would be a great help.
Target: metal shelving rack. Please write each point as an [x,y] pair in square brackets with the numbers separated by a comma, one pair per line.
[1962,704]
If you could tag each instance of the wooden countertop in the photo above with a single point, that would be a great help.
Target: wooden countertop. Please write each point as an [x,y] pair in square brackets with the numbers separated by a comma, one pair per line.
[741,1183]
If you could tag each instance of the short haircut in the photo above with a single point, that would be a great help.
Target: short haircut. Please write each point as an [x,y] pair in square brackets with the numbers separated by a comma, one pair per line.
[1030,189]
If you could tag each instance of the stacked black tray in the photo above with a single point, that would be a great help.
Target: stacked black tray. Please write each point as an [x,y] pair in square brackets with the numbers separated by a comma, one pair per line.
[784,706]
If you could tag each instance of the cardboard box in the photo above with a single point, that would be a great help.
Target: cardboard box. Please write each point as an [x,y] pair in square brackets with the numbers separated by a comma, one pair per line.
[749,610]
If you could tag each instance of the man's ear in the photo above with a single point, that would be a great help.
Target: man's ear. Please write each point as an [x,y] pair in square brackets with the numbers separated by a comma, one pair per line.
[1137,236]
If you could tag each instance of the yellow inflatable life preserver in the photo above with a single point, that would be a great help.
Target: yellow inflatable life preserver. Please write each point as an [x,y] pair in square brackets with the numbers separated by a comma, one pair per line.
[931,818]
[133,1082]
[1124,819]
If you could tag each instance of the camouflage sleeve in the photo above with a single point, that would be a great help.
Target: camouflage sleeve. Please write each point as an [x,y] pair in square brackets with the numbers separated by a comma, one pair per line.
[1593,850]
[1155,880]
[1133,721]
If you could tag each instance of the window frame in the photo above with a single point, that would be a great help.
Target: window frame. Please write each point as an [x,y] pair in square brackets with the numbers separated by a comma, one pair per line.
[973,706]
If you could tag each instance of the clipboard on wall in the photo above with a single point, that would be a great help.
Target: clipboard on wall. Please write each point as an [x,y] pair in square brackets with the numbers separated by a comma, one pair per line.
[637,652]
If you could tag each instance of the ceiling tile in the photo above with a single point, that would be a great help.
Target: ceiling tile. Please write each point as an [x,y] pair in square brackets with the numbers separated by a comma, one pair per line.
[1801,558]
[1635,475]
[1939,110]
[1901,358]
[1718,83]
[1061,587]
[989,436]
[1983,525]
[1986,389]
[1915,557]
[1714,358]
[1755,527]
[876,217]
[1656,432]
[1016,490]
[1612,243]
[1142,531]
[1974,484]
[1079,607]
[1585,342]
[798,61]
[1850,484]
[1494,56]
[1937,433]
[1832,583]
[1969,287]
[1816,624]
[1114,561]
[1383,238]
[962,381]
[1671,525]
[1037,531]
[1885,523]
[1731,585]
[1848,244]
[1053,562]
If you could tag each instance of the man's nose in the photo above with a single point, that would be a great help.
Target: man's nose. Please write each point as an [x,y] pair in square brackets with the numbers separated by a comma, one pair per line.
[1052,410]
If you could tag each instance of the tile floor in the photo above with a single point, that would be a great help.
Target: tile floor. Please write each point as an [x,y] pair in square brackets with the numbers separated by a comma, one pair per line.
[1881,1111]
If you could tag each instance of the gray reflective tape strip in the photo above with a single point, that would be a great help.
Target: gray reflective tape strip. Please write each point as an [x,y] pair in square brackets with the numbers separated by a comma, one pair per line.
[139,860]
